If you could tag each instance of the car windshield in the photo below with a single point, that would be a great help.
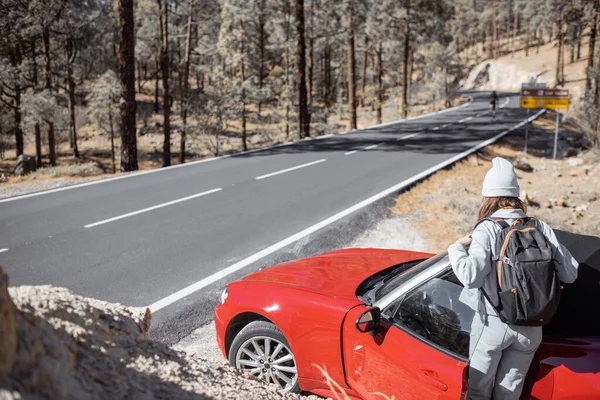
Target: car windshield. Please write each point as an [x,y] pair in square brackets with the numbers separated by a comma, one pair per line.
[395,278]
[388,287]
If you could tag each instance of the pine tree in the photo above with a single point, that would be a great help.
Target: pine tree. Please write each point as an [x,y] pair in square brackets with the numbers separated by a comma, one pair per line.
[127,124]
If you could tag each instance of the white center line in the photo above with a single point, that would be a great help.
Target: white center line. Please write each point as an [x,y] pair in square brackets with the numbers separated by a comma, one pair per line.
[408,136]
[444,126]
[436,128]
[371,147]
[283,171]
[3,250]
[170,203]
[349,153]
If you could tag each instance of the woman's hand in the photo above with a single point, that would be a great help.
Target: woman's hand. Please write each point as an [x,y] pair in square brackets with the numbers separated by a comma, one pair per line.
[466,241]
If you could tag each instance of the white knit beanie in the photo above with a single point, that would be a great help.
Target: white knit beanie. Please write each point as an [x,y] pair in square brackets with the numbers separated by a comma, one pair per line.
[501,180]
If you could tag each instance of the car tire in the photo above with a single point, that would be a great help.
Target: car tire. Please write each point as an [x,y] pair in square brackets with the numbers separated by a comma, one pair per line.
[265,334]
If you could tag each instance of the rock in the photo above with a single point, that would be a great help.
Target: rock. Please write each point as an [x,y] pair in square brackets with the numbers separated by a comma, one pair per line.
[590,198]
[572,152]
[579,172]
[72,347]
[523,166]
[8,331]
[548,204]
[573,162]
[556,174]
[25,165]
[562,202]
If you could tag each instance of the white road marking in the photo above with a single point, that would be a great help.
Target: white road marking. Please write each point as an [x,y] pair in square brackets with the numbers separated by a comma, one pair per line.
[436,128]
[465,120]
[349,153]
[371,147]
[407,136]
[444,126]
[3,250]
[194,287]
[170,203]
[283,171]
[152,171]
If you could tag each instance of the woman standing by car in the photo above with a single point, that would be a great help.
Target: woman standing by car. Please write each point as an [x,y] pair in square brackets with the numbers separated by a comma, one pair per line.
[504,335]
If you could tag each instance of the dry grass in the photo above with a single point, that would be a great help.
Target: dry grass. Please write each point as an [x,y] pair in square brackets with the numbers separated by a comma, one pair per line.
[563,193]
[74,170]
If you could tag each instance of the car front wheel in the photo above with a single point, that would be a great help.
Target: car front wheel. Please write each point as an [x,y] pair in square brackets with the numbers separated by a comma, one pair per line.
[261,349]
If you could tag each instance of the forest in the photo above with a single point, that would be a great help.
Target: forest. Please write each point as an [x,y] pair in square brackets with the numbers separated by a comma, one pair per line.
[222,76]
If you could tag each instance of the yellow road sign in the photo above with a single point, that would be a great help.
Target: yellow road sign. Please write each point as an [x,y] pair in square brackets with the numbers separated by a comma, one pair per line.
[544,102]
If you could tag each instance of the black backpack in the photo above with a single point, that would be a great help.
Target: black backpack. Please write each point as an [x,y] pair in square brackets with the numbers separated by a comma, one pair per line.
[526,290]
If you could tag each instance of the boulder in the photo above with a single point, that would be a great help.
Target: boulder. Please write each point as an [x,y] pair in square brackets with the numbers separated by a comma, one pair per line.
[574,162]
[8,331]
[523,166]
[25,165]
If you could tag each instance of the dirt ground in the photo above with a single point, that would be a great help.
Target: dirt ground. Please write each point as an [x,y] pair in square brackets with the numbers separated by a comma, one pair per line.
[565,192]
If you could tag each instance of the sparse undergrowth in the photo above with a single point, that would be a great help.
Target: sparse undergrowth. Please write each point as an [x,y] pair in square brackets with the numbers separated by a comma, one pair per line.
[73,170]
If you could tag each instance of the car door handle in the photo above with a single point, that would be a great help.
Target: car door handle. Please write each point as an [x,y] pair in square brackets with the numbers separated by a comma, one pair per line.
[428,377]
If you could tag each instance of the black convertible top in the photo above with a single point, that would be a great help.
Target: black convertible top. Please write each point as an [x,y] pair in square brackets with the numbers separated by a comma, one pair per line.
[577,315]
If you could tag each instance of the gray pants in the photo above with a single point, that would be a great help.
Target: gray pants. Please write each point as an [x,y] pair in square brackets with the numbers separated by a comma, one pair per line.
[500,357]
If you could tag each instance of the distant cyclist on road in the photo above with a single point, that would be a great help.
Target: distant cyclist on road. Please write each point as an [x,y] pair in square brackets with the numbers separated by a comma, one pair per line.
[493,103]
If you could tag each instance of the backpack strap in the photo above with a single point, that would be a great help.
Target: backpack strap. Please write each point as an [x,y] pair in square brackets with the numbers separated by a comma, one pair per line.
[503,224]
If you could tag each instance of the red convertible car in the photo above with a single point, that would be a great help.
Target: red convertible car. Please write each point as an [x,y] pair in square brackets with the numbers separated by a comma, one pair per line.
[385,323]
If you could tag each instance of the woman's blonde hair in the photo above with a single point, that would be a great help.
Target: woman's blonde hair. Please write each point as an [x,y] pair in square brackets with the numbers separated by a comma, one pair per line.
[490,205]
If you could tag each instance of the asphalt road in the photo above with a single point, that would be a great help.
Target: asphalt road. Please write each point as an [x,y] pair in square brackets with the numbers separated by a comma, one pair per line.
[140,239]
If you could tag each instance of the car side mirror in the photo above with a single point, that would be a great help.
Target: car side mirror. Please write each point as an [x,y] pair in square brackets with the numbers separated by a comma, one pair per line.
[369,321]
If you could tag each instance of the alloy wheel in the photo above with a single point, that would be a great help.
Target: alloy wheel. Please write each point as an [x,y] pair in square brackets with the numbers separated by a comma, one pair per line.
[269,359]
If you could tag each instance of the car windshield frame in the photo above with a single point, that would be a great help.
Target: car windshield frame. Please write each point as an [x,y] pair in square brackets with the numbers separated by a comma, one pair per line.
[414,277]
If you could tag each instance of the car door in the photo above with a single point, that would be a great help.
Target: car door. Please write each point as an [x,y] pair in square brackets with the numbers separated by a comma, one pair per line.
[420,349]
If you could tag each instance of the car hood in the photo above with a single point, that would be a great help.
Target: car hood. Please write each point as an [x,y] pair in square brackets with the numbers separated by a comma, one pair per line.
[336,274]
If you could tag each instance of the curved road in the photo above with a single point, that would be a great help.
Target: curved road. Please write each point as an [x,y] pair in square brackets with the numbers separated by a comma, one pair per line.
[171,238]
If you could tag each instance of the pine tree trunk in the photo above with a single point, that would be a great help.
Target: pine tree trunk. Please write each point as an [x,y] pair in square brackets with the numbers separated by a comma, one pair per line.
[243,94]
[351,71]
[379,106]
[139,78]
[579,37]
[562,59]
[127,124]
[18,120]
[287,76]
[405,57]
[558,53]
[156,79]
[164,66]
[411,62]
[508,32]
[261,50]
[38,144]
[186,84]
[364,73]
[592,46]
[112,139]
[572,44]
[303,115]
[309,80]
[48,85]
[38,135]
[71,98]
[495,43]
[527,38]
